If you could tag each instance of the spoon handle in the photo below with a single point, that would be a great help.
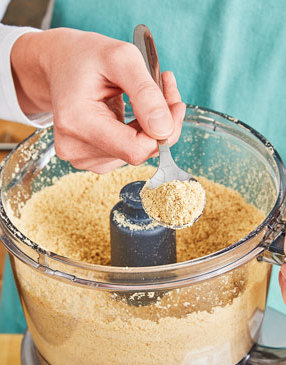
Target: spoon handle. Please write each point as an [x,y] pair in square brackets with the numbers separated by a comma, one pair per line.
[143,40]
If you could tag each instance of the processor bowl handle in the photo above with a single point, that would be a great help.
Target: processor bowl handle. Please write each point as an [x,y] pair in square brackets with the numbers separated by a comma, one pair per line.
[274,252]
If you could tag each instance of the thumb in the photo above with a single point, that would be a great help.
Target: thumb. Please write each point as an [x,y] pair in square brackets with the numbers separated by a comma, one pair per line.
[149,105]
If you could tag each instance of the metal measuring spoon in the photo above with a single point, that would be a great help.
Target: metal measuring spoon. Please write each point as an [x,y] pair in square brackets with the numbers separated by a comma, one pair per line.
[168,170]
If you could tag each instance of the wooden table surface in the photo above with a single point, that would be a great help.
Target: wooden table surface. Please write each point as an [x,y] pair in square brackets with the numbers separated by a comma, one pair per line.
[10,349]
[10,345]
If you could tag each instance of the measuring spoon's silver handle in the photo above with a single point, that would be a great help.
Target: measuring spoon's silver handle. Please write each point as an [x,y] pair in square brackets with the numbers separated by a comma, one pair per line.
[143,40]
[165,157]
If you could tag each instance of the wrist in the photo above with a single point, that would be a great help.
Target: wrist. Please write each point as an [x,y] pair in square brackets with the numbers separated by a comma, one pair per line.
[28,69]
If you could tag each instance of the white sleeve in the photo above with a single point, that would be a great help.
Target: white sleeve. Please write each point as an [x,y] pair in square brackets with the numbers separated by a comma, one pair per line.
[9,106]
[3,7]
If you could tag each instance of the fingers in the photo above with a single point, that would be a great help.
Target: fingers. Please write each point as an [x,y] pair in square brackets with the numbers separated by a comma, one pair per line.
[170,90]
[100,166]
[106,134]
[128,70]
[178,112]
[177,108]
[88,129]
[87,157]
[99,134]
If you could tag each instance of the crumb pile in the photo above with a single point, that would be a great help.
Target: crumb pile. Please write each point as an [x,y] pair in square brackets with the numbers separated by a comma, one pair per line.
[71,217]
[175,203]
[82,325]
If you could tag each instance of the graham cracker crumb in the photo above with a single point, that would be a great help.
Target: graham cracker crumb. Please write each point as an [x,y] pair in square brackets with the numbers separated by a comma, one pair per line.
[175,203]
[76,324]
[71,217]
[122,221]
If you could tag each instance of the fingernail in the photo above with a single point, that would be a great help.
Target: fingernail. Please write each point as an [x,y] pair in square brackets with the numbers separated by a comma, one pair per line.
[160,123]
[183,113]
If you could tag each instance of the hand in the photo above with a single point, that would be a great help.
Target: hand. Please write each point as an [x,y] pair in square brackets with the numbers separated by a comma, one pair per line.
[81,76]
[282,277]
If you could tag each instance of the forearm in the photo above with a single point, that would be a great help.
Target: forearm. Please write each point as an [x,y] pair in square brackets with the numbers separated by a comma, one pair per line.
[27,62]
[9,105]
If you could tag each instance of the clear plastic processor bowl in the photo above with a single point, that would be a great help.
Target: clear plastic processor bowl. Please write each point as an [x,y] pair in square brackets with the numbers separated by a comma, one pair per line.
[205,311]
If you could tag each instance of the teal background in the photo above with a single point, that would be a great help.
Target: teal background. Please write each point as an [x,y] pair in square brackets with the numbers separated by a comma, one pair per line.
[227,55]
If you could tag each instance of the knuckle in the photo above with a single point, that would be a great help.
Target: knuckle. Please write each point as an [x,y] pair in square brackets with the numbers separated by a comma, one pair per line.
[76,165]
[62,152]
[79,164]
[131,49]
[146,87]
[64,124]
[147,92]
[134,158]
[136,55]
[124,51]
[61,124]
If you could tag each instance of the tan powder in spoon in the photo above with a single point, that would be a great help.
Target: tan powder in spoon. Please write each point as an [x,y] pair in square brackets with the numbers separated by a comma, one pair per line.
[174,203]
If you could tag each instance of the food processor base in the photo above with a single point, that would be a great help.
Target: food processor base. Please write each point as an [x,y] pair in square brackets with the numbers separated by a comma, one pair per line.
[260,353]
[29,353]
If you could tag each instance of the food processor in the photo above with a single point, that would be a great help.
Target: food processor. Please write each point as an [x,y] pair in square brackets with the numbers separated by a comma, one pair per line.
[204,311]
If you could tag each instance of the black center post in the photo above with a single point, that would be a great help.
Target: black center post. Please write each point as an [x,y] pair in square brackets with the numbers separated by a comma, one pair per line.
[136,240]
